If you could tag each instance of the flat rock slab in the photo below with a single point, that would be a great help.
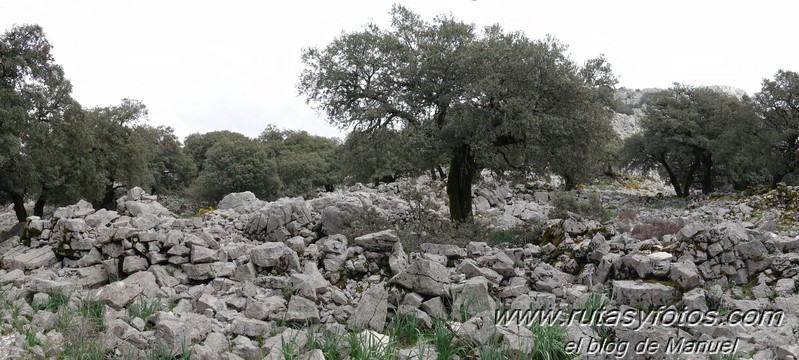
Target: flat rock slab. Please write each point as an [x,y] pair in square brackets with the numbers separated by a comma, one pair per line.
[23,258]
[425,277]
[639,293]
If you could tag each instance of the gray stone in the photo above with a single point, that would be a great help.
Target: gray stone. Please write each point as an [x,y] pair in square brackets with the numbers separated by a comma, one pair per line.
[24,258]
[372,309]
[209,270]
[302,310]
[685,274]
[201,254]
[472,297]
[382,241]
[639,293]
[269,223]
[424,277]
[275,255]
[132,264]
[251,327]
[268,308]
[243,202]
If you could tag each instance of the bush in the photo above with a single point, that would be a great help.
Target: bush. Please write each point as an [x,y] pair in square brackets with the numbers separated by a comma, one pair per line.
[566,202]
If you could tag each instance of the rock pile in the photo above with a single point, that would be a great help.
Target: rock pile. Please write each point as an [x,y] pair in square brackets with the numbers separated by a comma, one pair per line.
[240,279]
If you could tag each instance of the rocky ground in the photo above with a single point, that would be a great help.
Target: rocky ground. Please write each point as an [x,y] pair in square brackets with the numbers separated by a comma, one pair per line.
[340,276]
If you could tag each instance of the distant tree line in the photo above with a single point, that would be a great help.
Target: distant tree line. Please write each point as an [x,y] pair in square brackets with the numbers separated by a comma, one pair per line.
[437,97]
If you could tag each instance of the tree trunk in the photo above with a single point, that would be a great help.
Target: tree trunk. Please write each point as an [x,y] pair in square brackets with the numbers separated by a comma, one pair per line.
[19,207]
[441,173]
[38,208]
[707,175]
[672,177]
[689,178]
[776,179]
[459,183]
[568,182]
[108,202]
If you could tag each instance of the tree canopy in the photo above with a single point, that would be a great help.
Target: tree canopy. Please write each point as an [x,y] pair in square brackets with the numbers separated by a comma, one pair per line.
[778,106]
[692,134]
[484,99]
[39,121]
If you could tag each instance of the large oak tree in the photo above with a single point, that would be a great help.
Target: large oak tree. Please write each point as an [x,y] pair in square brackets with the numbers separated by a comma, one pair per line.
[485,99]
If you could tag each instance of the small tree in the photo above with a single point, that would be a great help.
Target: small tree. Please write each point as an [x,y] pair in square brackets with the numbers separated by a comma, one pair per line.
[235,166]
[304,161]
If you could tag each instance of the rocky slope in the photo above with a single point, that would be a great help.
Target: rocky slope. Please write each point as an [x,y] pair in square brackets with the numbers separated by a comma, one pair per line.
[258,280]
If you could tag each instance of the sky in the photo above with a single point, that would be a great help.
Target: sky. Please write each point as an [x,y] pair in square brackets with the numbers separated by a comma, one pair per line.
[203,66]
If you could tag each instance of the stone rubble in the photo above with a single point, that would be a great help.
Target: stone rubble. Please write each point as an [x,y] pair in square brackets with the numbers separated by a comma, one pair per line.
[235,277]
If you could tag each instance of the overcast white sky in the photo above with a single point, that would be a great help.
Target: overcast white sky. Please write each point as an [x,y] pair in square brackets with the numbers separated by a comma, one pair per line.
[233,65]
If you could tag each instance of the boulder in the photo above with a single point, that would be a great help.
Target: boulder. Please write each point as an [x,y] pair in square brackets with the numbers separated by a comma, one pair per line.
[372,309]
[424,277]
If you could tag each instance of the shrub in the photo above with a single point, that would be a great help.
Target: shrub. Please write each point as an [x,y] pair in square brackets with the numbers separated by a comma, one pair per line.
[566,202]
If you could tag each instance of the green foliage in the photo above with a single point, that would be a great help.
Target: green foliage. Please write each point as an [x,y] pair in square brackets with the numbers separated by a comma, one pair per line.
[236,166]
[197,145]
[143,308]
[778,106]
[43,137]
[120,151]
[304,161]
[696,135]
[57,300]
[550,341]
[529,108]
[565,202]
[94,311]
[172,168]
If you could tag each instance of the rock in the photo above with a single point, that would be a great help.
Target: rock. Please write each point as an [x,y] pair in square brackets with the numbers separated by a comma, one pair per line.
[302,310]
[275,255]
[209,270]
[785,287]
[382,241]
[170,333]
[268,308]
[120,293]
[251,327]
[82,209]
[424,277]
[685,274]
[202,254]
[243,202]
[472,297]
[132,264]
[518,341]
[269,223]
[649,295]
[24,258]
[372,309]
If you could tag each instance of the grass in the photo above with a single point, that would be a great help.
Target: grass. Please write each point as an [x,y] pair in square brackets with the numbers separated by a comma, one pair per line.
[57,300]
[550,343]
[94,311]
[405,329]
[143,308]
